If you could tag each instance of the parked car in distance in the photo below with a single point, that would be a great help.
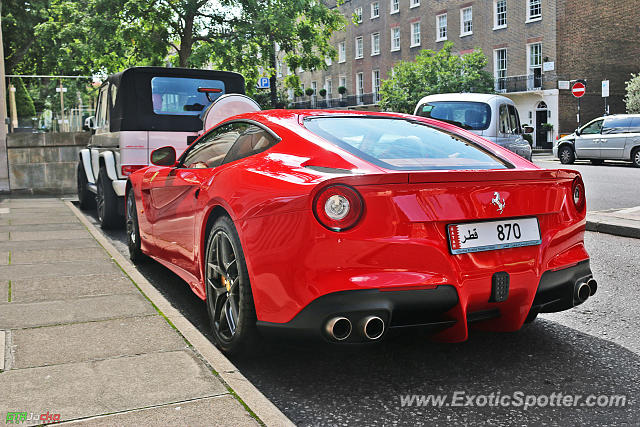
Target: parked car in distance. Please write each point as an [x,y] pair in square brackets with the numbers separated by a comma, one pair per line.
[347,226]
[615,137]
[138,110]
[494,117]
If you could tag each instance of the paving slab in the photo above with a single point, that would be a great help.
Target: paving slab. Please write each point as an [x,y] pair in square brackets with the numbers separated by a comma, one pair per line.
[71,268]
[84,389]
[61,288]
[26,245]
[4,235]
[82,342]
[4,291]
[31,220]
[48,235]
[57,255]
[214,411]
[4,257]
[28,315]
[42,227]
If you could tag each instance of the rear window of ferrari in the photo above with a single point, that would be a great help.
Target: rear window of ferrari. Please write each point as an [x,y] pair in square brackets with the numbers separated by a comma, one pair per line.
[401,144]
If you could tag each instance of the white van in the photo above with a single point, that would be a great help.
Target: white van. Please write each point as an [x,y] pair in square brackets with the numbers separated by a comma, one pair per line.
[493,117]
[139,110]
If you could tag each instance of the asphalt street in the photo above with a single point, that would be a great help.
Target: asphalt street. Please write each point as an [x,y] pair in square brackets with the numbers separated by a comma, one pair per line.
[593,349]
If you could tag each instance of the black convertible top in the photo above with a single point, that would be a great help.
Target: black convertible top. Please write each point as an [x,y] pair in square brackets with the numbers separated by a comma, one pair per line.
[133,109]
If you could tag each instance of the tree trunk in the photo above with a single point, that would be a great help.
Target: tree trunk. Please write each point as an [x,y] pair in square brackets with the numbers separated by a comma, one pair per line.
[186,41]
[273,78]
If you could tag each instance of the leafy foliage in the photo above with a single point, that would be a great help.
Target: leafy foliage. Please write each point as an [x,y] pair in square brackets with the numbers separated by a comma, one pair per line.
[434,72]
[24,103]
[633,94]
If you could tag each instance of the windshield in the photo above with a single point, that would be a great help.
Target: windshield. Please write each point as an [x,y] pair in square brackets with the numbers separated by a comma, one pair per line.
[180,96]
[402,144]
[467,115]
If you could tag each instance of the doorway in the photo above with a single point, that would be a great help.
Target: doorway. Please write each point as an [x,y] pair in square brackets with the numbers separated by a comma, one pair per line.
[541,131]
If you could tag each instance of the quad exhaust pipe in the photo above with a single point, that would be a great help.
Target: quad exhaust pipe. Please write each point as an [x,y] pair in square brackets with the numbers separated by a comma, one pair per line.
[338,328]
[584,290]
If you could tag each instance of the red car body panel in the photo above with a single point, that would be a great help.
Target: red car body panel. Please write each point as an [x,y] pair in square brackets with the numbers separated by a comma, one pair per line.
[399,243]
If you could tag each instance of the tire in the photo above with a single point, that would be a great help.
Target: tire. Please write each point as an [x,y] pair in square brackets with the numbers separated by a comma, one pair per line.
[107,202]
[86,199]
[229,300]
[635,157]
[566,155]
[596,162]
[133,230]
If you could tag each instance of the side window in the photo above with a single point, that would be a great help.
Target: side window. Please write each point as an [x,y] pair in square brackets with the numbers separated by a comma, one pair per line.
[635,125]
[514,120]
[503,125]
[616,125]
[253,140]
[592,128]
[212,148]
[102,116]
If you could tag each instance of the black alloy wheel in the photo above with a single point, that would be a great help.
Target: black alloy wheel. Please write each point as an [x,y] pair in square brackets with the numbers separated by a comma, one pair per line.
[229,299]
[133,230]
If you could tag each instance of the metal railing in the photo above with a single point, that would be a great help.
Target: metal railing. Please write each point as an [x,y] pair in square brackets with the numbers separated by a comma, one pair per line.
[340,102]
[524,83]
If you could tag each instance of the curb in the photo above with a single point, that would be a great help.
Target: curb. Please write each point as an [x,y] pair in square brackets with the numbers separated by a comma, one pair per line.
[264,409]
[611,228]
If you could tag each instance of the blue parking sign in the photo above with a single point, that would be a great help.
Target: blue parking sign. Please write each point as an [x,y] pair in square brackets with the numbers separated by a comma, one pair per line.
[263,83]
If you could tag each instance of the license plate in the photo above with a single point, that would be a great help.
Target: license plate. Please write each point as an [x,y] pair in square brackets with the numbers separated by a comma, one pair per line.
[492,235]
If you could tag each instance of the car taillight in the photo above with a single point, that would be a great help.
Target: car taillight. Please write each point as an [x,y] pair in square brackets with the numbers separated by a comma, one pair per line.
[129,169]
[577,191]
[338,207]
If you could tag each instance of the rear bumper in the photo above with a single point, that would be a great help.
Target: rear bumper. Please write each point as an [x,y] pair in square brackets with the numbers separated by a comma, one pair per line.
[440,309]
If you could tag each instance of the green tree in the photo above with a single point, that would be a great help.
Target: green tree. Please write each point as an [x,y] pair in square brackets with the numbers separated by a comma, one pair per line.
[300,28]
[633,94]
[434,72]
[24,104]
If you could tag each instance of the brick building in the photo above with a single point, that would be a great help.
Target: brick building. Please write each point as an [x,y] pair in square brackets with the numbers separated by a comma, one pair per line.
[532,45]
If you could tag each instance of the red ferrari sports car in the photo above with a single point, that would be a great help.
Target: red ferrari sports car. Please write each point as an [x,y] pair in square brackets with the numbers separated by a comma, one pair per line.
[350,225]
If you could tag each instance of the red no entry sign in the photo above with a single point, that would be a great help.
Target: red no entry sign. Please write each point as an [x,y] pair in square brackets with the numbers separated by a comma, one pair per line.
[578,89]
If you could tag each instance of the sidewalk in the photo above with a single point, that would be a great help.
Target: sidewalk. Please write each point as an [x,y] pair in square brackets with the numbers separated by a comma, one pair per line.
[621,222]
[79,339]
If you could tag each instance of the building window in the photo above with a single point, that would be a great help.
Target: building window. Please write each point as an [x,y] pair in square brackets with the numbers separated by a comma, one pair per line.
[342,52]
[328,86]
[359,47]
[279,68]
[395,6]
[314,97]
[414,3]
[358,14]
[500,17]
[535,66]
[395,39]
[441,27]
[415,34]
[342,81]
[534,10]
[375,44]
[359,87]
[375,9]
[500,67]
[375,85]
[327,61]
[466,21]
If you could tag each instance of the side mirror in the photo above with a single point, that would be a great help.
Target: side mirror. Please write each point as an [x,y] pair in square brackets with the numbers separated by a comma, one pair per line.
[527,129]
[89,123]
[577,132]
[165,156]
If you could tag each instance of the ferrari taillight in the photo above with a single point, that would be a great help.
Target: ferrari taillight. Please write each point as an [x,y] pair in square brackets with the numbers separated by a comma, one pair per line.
[338,207]
[577,191]
[129,169]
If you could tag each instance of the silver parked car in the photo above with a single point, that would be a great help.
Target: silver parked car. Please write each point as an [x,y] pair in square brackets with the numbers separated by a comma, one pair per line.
[494,117]
[615,137]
